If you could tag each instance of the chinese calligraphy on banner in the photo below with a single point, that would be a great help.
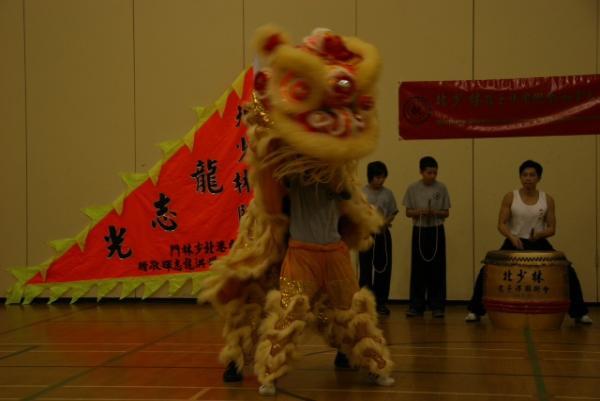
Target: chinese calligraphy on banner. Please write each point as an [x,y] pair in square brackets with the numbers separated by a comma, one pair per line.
[567,105]
[168,226]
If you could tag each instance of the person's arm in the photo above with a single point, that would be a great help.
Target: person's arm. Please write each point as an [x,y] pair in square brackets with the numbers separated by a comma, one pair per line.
[550,220]
[390,218]
[503,220]
[416,212]
[444,211]
[392,206]
[441,213]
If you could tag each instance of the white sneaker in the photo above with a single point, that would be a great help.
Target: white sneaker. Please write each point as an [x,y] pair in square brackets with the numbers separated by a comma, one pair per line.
[472,317]
[384,381]
[585,319]
[267,389]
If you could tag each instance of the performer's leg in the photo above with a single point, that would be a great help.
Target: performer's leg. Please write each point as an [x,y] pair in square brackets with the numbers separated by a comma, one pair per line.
[354,325]
[361,340]
[239,333]
[437,283]
[578,307]
[366,268]
[475,306]
[242,314]
[417,278]
[383,271]
[288,313]
[323,312]
[280,333]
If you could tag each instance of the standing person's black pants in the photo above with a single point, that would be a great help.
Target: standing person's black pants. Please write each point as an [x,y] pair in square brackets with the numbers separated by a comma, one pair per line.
[577,307]
[428,269]
[376,267]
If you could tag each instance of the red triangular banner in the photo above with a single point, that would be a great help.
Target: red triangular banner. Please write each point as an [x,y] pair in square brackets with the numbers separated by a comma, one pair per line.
[171,225]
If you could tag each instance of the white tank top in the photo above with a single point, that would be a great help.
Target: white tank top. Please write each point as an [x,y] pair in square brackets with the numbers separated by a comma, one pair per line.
[524,217]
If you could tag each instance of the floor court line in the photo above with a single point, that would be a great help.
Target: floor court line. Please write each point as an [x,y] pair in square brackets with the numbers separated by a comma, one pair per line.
[329,390]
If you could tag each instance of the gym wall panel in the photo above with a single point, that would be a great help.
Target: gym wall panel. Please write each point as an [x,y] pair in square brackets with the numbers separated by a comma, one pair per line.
[80,113]
[425,40]
[12,141]
[510,43]
[534,38]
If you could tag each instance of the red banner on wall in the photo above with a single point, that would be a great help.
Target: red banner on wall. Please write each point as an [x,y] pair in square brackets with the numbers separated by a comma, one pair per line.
[568,105]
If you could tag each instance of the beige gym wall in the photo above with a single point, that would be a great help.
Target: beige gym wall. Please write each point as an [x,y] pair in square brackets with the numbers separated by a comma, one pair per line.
[91,85]
[13,141]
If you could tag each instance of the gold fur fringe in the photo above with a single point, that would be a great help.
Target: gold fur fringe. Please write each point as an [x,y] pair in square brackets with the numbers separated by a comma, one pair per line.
[281,331]
[356,332]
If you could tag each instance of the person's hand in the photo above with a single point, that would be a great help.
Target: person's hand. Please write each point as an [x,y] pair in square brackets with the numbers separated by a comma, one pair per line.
[516,241]
[534,236]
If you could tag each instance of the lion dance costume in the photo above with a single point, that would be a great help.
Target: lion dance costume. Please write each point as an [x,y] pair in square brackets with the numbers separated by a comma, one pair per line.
[310,120]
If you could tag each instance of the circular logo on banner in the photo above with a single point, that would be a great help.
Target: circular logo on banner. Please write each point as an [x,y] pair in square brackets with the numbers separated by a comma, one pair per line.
[416,110]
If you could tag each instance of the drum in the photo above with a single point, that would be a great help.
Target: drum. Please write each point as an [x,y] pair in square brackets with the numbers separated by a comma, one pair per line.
[526,288]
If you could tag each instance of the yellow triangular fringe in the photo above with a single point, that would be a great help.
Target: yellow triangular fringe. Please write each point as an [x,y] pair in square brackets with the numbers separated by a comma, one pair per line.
[60,246]
[82,236]
[168,148]
[133,180]
[238,84]
[79,289]
[175,284]
[199,112]
[118,203]
[15,294]
[19,293]
[104,288]
[154,172]
[151,286]
[31,292]
[43,267]
[127,287]
[97,213]
[196,284]
[57,292]
[221,103]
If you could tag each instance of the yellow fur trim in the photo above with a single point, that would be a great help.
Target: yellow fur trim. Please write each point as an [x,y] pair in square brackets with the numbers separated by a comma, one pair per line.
[356,332]
[262,36]
[304,66]
[280,332]
[367,71]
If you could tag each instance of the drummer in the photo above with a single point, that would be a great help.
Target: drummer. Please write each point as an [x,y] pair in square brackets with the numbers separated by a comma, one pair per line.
[526,220]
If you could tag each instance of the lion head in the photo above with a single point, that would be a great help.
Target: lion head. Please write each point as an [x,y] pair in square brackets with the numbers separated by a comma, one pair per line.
[320,94]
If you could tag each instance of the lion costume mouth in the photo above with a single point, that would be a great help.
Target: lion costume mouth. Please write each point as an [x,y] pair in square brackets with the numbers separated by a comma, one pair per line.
[338,122]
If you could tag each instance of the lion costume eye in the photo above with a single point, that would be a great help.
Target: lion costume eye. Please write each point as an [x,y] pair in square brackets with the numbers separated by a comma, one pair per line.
[294,88]
[342,87]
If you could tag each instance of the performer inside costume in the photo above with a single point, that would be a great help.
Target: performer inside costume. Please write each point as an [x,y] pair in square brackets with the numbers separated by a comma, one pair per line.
[310,121]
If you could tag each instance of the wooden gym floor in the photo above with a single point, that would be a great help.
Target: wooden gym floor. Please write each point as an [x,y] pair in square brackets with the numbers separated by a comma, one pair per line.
[168,351]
